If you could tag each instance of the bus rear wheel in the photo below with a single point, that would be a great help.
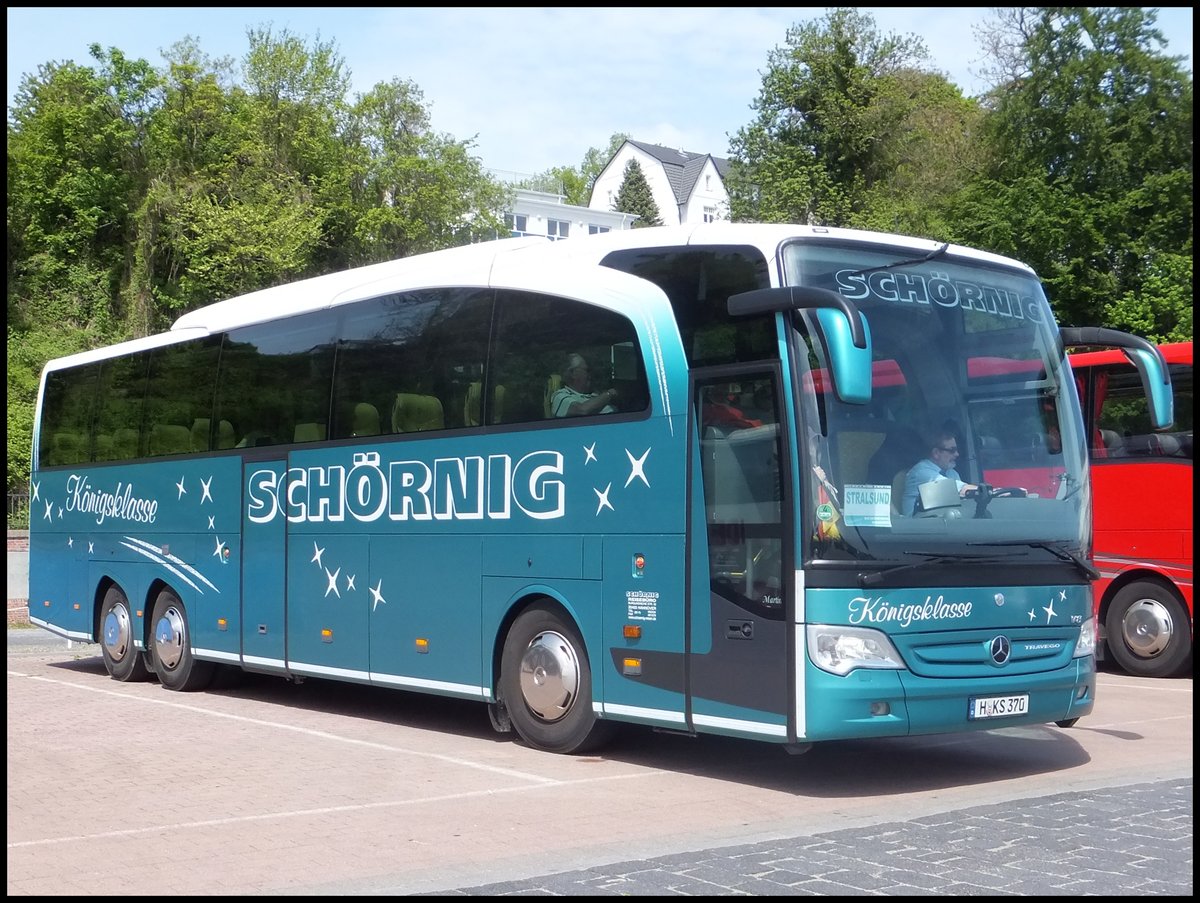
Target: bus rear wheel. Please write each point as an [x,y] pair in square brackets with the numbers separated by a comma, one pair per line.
[122,659]
[1148,631]
[171,650]
[546,684]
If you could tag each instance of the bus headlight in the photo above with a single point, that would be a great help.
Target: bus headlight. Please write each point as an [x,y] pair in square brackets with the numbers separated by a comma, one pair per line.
[1086,644]
[839,650]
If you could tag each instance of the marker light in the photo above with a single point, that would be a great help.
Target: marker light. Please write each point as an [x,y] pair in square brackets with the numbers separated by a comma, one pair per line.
[632,631]
[632,666]
[422,645]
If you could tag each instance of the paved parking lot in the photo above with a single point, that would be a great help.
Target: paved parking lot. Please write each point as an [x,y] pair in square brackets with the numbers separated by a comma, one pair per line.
[326,788]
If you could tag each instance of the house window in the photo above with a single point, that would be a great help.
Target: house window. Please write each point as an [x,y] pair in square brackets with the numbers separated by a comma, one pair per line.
[710,214]
[516,223]
[557,229]
[708,183]
[593,229]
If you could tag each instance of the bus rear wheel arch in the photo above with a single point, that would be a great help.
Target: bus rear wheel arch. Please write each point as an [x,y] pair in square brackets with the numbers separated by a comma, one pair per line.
[171,647]
[546,683]
[118,634]
[1147,630]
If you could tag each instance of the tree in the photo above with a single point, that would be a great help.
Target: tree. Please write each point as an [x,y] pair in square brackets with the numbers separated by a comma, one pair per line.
[634,196]
[136,195]
[419,190]
[1091,179]
[575,184]
[831,120]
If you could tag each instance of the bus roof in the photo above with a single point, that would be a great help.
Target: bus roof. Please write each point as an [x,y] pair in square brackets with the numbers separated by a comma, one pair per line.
[767,237]
[500,264]
[470,265]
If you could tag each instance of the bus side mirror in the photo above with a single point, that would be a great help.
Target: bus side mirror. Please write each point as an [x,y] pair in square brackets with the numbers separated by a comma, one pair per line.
[1146,359]
[847,337]
[851,365]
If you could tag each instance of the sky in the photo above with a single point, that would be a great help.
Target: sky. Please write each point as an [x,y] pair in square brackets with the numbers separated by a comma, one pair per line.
[530,87]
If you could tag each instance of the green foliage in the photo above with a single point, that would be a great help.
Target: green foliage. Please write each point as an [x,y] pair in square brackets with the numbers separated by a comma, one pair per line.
[634,196]
[1091,177]
[136,195]
[831,123]
[1077,162]
[575,184]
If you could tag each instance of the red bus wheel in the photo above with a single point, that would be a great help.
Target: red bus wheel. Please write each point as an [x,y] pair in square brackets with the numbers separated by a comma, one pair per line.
[1148,630]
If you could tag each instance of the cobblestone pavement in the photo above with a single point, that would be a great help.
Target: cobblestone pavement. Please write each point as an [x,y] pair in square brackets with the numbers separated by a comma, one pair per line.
[1123,841]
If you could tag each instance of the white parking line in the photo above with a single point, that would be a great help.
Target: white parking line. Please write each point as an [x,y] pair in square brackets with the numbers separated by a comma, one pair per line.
[324,735]
[307,813]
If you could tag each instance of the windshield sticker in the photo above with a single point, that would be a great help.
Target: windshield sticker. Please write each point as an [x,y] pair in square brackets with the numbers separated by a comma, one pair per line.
[868,506]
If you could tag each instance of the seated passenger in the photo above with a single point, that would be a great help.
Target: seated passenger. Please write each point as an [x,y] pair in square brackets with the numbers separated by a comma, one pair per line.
[575,397]
[937,465]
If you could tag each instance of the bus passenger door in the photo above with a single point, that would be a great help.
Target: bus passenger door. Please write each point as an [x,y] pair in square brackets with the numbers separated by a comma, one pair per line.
[264,548]
[738,664]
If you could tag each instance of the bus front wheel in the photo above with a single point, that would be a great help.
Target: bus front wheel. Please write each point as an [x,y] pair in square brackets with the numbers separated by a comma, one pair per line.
[122,659]
[1148,631]
[171,650]
[546,684]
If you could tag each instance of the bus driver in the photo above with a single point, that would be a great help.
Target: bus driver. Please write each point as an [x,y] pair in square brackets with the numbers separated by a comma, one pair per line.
[937,465]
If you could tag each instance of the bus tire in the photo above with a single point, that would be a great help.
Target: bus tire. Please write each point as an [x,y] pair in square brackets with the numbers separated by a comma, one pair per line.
[171,649]
[546,684]
[1148,630]
[122,659]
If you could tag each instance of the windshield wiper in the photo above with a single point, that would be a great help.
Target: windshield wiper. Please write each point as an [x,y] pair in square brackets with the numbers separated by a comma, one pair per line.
[1061,554]
[936,252]
[931,558]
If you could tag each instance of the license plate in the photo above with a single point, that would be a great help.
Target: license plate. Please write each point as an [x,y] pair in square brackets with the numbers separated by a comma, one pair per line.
[997,707]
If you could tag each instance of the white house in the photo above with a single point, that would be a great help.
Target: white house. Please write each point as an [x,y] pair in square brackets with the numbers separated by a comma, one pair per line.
[687,187]
[545,213]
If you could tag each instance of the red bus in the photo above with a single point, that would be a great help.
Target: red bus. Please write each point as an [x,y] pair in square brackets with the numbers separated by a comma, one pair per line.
[1142,512]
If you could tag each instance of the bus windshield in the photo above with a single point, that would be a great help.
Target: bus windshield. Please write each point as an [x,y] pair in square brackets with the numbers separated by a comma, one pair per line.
[972,433]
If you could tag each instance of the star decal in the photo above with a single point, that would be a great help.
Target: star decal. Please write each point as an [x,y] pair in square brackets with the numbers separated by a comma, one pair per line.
[70,542]
[1049,610]
[1032,614]
[317,553]
[349,583]
[636,467]
[332,588]
[36,488]
[49,510]
[206,490]
[377,595]
[219,551]
[179,486]
[590,453]
[212,522]
[604,502]
[91,548]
